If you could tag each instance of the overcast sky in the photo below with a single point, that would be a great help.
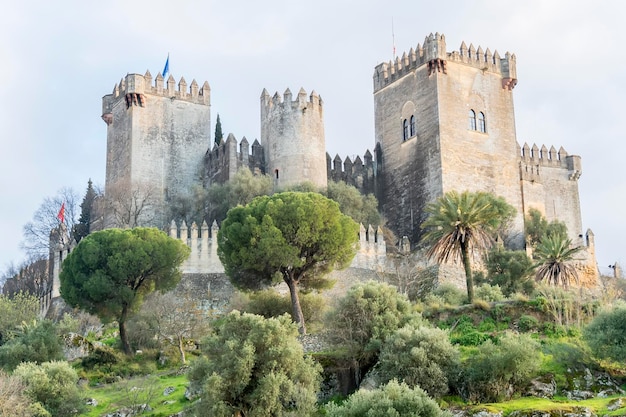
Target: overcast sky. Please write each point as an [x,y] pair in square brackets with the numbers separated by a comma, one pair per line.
[59,58]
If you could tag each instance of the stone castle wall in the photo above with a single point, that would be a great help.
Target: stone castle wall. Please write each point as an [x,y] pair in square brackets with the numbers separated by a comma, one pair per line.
[156,137]
[292,134]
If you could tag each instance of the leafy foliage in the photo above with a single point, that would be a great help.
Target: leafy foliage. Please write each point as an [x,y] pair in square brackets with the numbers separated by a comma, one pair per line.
[110,272]
[21,308]
[53,385]
[606,334]
[489,293]
[553,256]
[420,356]
[536,227]
[257,368]
[499,370]
[364,318]
[34,342]
[13,400]
[296,237]
[268,303]
[362,208]
[392,400]
[460,225]
[510,270]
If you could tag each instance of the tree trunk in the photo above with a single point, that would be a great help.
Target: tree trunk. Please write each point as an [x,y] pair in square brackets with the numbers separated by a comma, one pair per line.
[297,315]
[181,349]
[122,327]
[469,279]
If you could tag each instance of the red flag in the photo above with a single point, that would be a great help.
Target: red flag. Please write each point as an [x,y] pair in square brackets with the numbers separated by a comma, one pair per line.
[61,215]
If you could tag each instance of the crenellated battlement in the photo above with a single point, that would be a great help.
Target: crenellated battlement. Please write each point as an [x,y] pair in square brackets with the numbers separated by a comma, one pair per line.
[134,89]
[224,160]
[358,172]
[533,159]
[287,101]
[433,53]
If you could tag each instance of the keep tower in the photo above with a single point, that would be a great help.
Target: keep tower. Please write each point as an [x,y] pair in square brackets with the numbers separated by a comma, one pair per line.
[157,135]
[444,121]
[292,136]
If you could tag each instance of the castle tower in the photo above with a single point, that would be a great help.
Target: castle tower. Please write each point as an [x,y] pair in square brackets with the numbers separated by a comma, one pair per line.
[292,136]
[157,136]
[444,121]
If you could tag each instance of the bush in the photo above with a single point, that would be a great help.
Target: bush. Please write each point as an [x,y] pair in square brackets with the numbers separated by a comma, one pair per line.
[21,308]
[420,356]
[499,370]
[100,357]
[13,400]
[269,303]
[451,294]
[489,293]
[255,364]
[365,317]
[391,400]
[53,385]
[510,270]
[466,334]
[606,334]
[527,323]
[36,342]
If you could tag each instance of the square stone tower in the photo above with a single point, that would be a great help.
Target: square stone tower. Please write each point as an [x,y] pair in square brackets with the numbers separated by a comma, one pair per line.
[157,136]
[445,121]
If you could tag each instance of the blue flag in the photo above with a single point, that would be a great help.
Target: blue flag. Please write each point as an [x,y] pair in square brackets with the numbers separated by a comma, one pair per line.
[166,69]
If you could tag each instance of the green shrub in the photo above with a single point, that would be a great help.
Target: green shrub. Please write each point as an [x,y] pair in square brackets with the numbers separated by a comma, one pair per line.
[391,400]
[606,334]
[527,323]
[101,356]
[256,364]
[365,317]
[490,293]
[553,330]
[451,294]
[35,342]
[487,325]
[13,400]
[420,356]
[269,303]
[21,308]
[53,385]
[499,370]
[466,334]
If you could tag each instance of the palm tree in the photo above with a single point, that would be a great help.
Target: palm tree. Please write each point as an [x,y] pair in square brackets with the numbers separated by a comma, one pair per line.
[553,255]
[460,225]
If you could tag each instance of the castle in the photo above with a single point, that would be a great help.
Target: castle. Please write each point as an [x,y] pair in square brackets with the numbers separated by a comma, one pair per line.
[443,121]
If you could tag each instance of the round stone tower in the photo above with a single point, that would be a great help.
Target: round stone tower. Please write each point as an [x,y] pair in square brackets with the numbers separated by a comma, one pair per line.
[292,135]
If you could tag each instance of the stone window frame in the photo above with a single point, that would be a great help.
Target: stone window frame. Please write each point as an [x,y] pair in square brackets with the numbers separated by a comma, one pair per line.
[472,119]
[412,130]
[405,130]
[482,122]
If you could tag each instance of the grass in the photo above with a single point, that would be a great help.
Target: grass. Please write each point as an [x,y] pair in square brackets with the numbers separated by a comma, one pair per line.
[138,390]
[596,405]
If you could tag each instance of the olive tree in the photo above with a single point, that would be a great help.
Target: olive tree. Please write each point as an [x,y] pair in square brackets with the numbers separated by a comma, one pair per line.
[254,367]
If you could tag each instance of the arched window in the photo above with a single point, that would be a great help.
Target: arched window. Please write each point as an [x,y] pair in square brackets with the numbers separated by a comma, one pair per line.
[405,129]
[412,126]
[472,120]
[482,126]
